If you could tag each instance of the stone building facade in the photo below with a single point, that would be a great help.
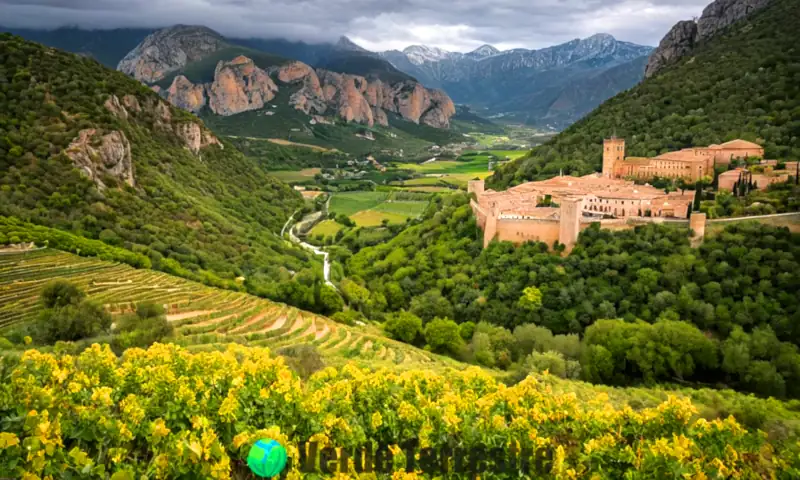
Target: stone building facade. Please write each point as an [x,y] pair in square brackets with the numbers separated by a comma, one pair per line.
[557,209]
[690,163]
[761,180]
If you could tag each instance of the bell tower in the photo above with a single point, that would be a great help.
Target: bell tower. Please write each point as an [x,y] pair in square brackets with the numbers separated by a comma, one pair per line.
[613,154]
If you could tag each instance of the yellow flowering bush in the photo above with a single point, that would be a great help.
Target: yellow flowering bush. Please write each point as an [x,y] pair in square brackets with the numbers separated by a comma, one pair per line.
[167,413]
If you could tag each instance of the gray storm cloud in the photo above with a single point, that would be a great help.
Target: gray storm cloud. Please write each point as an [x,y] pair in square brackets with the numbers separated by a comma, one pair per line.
[375,24]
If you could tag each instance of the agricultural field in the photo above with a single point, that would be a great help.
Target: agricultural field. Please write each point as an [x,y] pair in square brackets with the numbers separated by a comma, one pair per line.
[349,203]
[326,228]
[296,176]
[203,316]
[370,209]
[374,218]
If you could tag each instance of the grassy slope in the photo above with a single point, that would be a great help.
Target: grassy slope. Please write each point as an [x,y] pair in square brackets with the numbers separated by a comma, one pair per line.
[215,212]
[744,83]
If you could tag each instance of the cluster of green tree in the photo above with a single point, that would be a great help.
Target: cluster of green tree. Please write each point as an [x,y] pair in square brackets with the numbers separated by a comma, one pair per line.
[272,156]
[209,217]
[743,83]
[744,277]
[14,231]
[69,319]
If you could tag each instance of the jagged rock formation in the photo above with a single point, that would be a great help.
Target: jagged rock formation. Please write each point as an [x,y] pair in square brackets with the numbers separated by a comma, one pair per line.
[239,86]
[356,99]
[102,155]
[184,94]
[310,98]
[169,49]
[685,35]
[195,137]
[344,94]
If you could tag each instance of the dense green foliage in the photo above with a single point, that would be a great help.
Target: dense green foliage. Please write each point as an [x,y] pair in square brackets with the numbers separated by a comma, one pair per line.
[14,231]
[745,278]
[210,217]
[272,156]
[743,83]
[142,328]
[68,315]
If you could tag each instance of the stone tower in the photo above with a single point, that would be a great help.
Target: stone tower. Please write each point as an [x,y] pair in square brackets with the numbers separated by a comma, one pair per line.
[476,186]
[613,154]
[490,229]
[697,222]
[569,225]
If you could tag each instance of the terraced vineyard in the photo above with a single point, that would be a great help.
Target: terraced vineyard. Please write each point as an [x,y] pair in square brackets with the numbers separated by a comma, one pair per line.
[203,316]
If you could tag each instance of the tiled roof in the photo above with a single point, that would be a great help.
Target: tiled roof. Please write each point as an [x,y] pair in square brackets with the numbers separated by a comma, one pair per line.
[738,143]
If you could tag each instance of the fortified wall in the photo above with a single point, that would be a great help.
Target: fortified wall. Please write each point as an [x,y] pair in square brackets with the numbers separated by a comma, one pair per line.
[544,224]
[557,209]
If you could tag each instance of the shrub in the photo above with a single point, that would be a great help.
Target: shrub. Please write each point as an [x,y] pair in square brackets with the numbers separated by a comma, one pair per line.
[60,293]
[142,329]
[348,317]
[303,359]
[72,322]
[403,326]
[442,335]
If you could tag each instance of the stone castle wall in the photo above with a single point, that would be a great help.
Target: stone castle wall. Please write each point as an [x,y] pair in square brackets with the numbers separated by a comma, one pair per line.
[527,230]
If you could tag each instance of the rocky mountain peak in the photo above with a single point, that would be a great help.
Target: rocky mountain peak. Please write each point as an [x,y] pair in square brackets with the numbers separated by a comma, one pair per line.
[685,35]
[418,54]
[346,44]
[170,49]
[483,51]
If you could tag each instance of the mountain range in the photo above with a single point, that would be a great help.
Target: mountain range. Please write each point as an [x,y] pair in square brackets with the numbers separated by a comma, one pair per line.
[554,85]
[551,86]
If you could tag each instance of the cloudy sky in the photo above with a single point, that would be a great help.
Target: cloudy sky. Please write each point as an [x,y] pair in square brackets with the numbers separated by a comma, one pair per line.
[459,25]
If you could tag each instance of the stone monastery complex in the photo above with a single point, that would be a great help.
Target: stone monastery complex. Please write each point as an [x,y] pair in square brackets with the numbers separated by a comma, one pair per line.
[557,209]
[690,163]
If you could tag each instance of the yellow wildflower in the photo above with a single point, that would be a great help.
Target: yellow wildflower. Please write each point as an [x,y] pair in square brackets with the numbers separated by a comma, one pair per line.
[159,428]
[8,440]
[377,420]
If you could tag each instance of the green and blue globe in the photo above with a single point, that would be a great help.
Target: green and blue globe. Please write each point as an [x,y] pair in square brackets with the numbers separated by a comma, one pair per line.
[266,458]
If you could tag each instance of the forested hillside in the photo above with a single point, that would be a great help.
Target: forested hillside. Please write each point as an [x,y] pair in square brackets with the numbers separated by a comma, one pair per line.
[741,281]
[743,83]
[163,186]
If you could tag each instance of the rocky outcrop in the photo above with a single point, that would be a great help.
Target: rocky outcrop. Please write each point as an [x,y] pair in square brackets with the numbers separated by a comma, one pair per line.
[114,106]
[685,35]
[169,49]
[722,13]
[239,86]
[310,97]
[379,117]
[413,102]
[99,156]
[186,95]
[440,110]
[196,137]
[344,94]
[131,103]
[678,42]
